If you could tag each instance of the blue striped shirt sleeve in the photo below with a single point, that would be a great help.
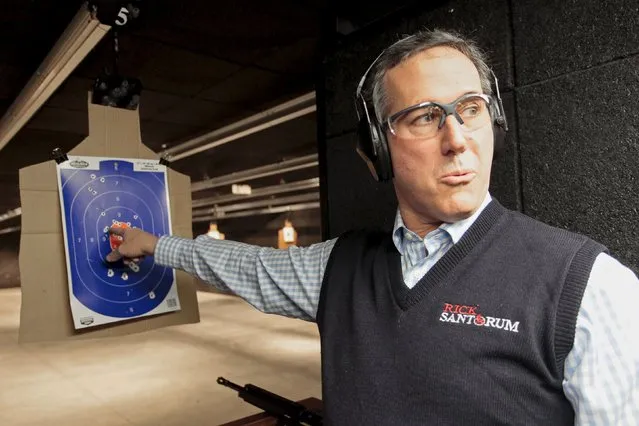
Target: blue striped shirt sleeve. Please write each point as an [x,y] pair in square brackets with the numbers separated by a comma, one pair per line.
[601,376]
[284,282]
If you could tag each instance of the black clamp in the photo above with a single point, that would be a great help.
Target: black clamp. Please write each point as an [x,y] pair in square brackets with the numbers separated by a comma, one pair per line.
[164,161]
[59,156]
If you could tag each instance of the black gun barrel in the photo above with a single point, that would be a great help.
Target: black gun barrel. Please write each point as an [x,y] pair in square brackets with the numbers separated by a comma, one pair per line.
[229,384]
[274,404]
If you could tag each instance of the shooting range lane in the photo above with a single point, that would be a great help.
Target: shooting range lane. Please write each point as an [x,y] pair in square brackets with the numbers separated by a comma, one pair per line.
[97,194]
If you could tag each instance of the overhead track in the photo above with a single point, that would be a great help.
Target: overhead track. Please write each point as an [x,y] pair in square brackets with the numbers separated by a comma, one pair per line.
[279,114]
[260,203]
[257,212]
[259,192]
[258,172]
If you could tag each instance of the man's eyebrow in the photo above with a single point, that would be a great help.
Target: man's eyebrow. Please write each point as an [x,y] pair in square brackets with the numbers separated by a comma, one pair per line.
[471,92]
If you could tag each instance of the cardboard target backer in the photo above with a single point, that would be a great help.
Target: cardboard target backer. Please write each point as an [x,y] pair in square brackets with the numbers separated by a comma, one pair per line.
[69,291]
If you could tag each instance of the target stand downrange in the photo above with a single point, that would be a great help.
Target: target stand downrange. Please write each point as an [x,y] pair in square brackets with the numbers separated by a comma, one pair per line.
[97,193]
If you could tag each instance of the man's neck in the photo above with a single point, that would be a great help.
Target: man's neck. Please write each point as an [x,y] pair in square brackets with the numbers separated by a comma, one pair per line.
[422,225]
[417,223]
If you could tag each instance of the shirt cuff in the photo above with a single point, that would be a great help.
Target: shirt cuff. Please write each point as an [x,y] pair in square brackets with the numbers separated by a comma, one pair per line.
[170,250]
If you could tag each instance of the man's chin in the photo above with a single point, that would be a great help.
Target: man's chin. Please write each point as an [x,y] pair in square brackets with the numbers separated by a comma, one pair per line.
[461,205]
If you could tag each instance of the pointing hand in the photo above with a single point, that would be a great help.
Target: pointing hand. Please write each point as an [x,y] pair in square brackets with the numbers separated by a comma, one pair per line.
[135,244]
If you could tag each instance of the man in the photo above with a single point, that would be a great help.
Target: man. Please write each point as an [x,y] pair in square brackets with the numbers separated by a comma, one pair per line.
[467,313]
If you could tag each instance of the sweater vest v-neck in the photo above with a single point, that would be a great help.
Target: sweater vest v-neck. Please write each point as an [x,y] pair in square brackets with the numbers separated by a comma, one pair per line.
[481,339]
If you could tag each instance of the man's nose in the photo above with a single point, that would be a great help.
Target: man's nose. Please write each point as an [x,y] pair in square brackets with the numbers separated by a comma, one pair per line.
[453,136]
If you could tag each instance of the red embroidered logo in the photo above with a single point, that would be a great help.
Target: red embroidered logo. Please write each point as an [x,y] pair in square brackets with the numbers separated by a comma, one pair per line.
[465,314]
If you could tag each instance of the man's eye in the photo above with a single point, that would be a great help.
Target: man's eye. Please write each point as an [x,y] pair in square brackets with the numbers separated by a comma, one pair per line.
[470,112]
[423,119]
[470,109]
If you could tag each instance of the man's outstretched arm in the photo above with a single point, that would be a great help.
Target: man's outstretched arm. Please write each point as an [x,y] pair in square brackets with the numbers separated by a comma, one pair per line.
[285,282]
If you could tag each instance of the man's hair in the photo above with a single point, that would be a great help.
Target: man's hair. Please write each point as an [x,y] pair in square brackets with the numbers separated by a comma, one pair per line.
[419,42]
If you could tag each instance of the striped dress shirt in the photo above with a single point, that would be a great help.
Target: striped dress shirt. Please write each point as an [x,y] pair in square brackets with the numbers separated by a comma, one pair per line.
[601,376]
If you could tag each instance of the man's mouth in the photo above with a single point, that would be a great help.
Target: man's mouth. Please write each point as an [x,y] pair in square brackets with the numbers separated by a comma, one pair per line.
[458,177]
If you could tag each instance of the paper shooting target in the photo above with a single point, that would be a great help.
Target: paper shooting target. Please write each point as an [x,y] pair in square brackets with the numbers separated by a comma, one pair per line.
[99,193]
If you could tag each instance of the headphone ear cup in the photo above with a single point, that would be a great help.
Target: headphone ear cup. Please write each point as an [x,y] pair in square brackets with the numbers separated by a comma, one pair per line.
[500,139]
[499,129]
[373,148]
[366,148]
[384,165]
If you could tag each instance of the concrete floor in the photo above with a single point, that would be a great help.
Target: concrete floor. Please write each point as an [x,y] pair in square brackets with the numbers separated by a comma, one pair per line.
[162,377]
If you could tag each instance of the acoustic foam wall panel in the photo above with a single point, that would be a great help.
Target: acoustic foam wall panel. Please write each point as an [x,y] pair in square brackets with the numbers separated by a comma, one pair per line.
[578,141]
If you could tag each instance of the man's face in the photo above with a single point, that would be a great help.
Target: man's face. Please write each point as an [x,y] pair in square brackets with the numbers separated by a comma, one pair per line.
[443,178]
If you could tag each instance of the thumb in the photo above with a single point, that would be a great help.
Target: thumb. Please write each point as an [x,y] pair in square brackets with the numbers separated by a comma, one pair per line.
[114,256]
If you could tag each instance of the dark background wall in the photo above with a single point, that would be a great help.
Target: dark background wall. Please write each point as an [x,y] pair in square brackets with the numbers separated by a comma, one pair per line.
[569,75]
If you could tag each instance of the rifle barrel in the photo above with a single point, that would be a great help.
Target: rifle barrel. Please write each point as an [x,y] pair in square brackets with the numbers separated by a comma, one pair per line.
[274,404]
[229,384]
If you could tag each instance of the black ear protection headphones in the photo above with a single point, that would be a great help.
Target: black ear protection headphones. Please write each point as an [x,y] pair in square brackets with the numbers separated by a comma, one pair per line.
[372,143]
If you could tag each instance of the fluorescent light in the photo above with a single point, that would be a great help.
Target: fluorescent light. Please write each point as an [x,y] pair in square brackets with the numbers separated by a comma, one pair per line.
[79,38]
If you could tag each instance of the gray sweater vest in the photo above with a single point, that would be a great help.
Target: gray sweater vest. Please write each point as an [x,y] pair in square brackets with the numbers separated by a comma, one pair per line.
[481,339]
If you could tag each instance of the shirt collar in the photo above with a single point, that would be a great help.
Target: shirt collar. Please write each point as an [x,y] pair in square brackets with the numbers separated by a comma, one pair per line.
[455,230]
